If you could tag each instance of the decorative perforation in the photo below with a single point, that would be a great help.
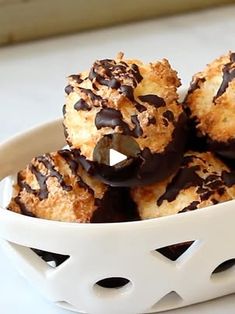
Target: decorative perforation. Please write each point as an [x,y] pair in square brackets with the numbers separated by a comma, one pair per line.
[172,299]
[225,266]
[113,282]
[52,259]
[174,251]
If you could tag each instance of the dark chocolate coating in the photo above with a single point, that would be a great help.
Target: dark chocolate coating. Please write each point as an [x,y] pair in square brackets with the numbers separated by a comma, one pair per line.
[147,167]
[225,149]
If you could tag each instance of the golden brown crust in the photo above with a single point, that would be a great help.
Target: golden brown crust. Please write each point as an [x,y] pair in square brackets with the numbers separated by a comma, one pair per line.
[202,180]
[211,99]
[55,187]
[120,85]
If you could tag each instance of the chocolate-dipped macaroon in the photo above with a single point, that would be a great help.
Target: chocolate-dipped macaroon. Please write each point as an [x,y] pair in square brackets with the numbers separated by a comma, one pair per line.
[210,103]
[130,107]
[202,180]
[55,187]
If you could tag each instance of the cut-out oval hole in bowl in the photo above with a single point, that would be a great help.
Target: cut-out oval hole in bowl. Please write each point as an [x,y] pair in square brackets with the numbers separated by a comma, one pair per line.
[226,265]
[113,282]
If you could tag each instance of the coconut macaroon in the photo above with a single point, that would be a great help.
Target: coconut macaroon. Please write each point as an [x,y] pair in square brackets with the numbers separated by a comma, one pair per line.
[55,187]
[211,104]
[202,180]
[133,99]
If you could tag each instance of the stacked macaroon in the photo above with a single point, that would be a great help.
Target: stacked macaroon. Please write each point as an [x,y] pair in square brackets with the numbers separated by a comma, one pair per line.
[140,101]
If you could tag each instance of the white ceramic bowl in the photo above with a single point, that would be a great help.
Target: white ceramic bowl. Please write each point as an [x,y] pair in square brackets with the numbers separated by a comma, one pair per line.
[126,250]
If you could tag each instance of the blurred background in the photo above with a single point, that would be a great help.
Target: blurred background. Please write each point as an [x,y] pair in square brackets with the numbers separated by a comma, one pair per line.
[44,41]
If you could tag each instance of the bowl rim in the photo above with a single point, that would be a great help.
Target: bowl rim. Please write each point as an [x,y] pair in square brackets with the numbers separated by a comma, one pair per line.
[7,214]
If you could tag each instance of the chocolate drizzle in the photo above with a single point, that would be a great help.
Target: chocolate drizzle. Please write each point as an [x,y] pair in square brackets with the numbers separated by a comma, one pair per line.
[169,115]
[153,100]
[24,210]
[73,162]
[64,110]
[127,91]
[139,107]
[109,117]
[69,158]
[187,177]
[108,73]
[77,78]
[136,73]
[94,97]
[191,206]
[23,185]
[69,89]
[228,76]
[116,76]
[137,131]
[81,105]
[195,84]
[42,178]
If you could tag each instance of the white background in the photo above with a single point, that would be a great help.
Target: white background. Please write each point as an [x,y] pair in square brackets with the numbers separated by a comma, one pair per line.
[32,78]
